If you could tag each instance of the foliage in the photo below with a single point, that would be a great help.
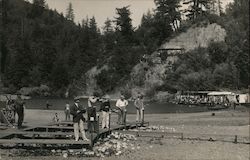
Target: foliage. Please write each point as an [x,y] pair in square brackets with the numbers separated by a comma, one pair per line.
[198,8]
[222,64]
[41,46]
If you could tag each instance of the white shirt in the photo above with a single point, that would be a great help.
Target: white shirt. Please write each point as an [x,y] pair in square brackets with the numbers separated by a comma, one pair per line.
[121,104]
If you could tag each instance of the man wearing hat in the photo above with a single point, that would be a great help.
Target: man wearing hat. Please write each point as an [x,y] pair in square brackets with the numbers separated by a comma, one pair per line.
[93,102]
[139,105]
[19,108]
[121,104]
[77,111]
[105,107]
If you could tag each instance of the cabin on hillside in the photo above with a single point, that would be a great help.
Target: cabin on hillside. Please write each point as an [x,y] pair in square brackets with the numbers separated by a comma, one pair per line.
[170,53]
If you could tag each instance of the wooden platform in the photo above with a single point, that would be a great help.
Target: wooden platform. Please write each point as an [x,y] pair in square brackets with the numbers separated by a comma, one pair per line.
[43,141]
[54,133]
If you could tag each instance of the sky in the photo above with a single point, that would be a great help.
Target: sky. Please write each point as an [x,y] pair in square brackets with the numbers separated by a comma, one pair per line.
[103,9]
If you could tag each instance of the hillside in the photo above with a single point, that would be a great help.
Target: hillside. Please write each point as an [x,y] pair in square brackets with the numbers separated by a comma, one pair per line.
[41,47]
[44,53]
[193,38]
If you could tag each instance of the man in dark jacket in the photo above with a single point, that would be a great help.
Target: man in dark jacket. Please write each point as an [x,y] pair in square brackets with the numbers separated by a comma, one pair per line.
[77,111]
[19,108]
[91,112]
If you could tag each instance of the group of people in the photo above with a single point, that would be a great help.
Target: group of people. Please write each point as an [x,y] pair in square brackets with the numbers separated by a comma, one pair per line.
[197,99]
[77,111]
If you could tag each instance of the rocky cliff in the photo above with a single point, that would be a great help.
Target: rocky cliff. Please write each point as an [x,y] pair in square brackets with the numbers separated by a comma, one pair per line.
[148,75]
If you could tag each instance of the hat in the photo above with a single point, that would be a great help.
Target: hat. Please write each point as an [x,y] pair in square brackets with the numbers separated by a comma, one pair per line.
[140,96]
[96,94]
[76,99]
[106,96]
[122,96]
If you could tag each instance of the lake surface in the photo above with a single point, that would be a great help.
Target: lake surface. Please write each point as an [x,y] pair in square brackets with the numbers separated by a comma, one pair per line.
[152,107]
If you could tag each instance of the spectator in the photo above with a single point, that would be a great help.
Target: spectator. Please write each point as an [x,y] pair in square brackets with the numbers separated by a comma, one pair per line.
[105,108]
[139,109]
[121,104]
[91,112]
[19,107]
[48,104]
[55,118]
[77,111]
[67,111]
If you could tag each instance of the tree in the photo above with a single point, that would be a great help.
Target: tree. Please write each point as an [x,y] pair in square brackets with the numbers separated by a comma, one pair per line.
[237,27]
[147,34]
[108,36]
[93,27]
[168,10]
[37,8]
[107,26]
[59,75]
[197,8]
[218,52]
[165,16]
[3,39]
[124,24]
[40,3]
[70,12]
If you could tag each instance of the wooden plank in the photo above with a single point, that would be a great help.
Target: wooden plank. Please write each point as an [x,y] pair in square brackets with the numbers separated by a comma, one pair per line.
[38,133]
[43,141]
[51,127]
[142,133]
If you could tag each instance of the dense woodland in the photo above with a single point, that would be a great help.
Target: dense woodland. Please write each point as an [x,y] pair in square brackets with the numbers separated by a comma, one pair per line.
[42,46]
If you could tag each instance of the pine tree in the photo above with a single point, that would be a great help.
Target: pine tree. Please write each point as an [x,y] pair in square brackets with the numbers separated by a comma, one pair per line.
[107,26]
[124,23]
[169,11]
[93,25]
[40,3]
[197,8]
[70,12]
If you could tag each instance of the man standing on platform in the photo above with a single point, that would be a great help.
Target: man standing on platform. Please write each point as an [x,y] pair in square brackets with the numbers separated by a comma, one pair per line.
[121,104]
[77,111]
[105,108]
[67,111]
[91,112]
[19,107]
[139,105]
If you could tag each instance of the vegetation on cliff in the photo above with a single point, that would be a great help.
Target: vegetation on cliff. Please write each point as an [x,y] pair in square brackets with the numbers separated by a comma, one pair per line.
[40,46]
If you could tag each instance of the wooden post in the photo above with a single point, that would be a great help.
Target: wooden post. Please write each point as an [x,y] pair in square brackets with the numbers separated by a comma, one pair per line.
[98,121]
[235,139]
[125,119]
[109,114]
[182,136]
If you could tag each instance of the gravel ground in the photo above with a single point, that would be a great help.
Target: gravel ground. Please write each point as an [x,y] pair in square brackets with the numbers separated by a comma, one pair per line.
[227,122]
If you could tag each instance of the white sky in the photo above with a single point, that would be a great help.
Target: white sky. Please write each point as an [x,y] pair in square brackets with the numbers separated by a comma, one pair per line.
[103,9]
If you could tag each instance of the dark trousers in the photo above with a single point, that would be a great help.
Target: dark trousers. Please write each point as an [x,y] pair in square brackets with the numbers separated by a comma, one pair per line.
[20,119]
[93,126]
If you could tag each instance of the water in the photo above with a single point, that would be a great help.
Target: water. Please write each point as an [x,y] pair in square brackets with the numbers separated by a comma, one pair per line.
[153,107]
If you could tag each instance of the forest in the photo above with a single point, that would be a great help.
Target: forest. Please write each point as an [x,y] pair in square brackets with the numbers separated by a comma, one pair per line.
[40,46]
